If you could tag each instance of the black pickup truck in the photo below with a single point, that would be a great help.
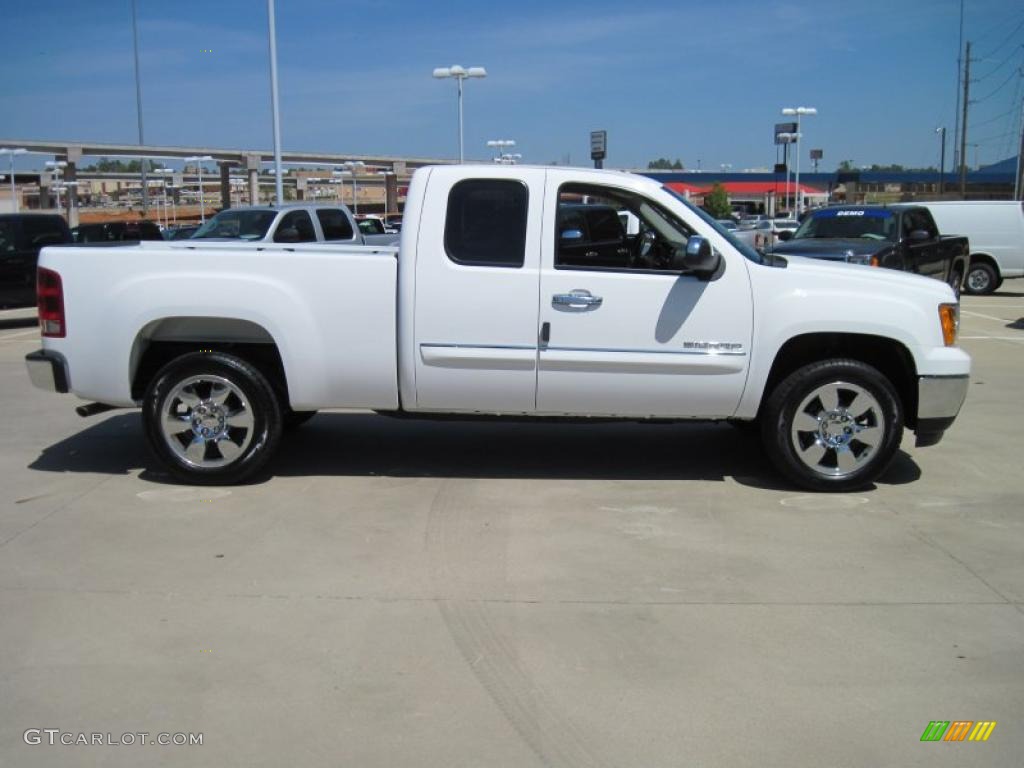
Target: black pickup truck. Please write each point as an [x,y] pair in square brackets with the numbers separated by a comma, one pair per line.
[902,237]
[22,236]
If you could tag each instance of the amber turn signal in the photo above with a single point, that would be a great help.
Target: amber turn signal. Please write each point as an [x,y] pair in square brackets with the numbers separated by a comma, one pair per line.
[949,317]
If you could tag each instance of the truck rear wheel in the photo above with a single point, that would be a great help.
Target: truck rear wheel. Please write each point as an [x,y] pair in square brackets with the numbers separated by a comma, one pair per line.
[211,418]
[834,425]
[981,279]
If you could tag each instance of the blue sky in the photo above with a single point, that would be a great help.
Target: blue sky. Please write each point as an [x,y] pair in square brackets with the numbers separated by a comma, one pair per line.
[695,80]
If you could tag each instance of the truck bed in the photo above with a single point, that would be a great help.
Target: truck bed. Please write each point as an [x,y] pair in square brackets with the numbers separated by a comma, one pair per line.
[311,300]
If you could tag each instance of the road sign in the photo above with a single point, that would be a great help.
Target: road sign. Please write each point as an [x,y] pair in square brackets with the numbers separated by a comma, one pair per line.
[817,154]
[598,144]
[784,128]
[780,168]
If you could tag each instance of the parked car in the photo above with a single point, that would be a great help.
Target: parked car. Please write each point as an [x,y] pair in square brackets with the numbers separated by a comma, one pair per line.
[757,233]
[222,349]
[902,237]
[22,235]
[299,223]
[995,230]
[729,224]
[181,233]
[117,231]
[783,225]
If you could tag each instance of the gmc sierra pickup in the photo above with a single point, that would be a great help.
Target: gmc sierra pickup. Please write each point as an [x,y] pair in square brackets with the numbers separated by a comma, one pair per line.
[899,236]
[498,303]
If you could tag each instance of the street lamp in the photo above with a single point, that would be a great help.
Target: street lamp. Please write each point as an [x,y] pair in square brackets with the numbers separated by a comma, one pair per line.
[12,153]
[202,203]
[941,130]
[353,168]
[57,168]
[163,184]
[787,139]
[460,73]
[501,145]
[798,112]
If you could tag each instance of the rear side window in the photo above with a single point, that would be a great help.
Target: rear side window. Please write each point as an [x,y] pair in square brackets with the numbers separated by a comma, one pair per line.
[486,224]
[38,231]
[301,223]
[334,223]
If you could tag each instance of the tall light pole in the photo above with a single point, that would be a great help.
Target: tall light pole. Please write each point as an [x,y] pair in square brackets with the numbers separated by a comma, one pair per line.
[353,168]
[57,169]
[272,33]
[460,73]
[138,105]
[163,186]
[941,130]
[787,139]
[799,112]
[202,204]
[10,152]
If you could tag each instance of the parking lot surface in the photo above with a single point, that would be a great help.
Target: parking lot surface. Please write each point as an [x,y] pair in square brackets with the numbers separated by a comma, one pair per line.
[404,593]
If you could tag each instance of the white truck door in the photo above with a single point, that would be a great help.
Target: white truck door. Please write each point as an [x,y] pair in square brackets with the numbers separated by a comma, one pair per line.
[622,333]
[477,276]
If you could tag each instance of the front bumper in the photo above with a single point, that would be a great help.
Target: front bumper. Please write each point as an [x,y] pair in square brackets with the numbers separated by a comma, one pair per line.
[48,370]
[938,402]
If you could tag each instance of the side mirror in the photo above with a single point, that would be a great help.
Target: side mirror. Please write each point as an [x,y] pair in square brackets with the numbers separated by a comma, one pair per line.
[919,236]
[287,235]
[786,234]
[569,235]
[698,256]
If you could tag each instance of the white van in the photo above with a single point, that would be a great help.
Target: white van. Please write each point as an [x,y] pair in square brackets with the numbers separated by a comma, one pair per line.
[995,229]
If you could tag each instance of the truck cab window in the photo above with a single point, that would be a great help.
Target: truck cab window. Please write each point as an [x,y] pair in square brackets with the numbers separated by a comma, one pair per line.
[605,228]
[301,223]
[486,223]
[334,223]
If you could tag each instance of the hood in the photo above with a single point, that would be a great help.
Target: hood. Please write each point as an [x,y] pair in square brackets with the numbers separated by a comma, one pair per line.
[871,278]
[830,248]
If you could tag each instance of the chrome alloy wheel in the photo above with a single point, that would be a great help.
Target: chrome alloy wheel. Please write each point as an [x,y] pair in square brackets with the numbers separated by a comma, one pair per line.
[837,429]
[978,280]
[207,421]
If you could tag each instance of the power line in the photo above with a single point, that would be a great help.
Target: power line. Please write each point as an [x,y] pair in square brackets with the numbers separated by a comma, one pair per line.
[997,27]
[1015,73]
[1009,37]
[1002,63]
[1011,110]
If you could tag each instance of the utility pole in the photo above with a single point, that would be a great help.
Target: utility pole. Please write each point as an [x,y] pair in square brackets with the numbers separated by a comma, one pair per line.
[956,112]
[963,122]
[1018,187]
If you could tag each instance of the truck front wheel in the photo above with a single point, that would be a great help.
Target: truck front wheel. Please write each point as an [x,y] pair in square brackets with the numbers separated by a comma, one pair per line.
[834,425]
[211,418]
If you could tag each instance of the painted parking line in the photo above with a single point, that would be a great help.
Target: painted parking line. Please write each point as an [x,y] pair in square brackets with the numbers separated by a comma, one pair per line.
[988,317]
[997,338]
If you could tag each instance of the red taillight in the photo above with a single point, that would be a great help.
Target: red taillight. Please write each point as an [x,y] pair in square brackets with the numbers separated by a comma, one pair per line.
[50,296]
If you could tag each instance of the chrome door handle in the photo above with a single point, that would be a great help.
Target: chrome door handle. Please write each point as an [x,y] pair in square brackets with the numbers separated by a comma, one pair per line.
[577,300]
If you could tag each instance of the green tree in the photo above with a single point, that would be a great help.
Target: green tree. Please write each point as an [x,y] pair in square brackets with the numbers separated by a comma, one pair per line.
[716,202]
[664,164]
[846,165]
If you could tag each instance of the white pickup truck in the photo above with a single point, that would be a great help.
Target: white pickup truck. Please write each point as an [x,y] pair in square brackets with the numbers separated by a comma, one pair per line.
[506,298]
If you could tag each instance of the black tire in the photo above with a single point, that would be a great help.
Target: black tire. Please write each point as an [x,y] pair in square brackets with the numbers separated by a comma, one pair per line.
[956,282]
[981,279]
[849,379]
[249,393]
[295,419]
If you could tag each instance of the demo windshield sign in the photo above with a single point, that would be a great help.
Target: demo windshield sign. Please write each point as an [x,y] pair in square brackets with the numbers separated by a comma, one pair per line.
[849,224]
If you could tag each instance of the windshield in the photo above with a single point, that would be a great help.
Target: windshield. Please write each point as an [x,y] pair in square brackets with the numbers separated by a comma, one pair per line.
[238,224]
[849,224]
[735,242]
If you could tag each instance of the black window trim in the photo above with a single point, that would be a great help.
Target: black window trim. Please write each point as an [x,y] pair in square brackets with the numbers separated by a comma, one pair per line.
[526,224]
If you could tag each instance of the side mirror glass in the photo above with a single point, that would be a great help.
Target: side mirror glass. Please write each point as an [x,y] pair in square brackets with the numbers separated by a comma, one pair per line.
[287,235]
[786,234]
[568,235]
[919,236]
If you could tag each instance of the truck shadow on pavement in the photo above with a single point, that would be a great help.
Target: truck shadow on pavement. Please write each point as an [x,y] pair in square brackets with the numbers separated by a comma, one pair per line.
[336,444]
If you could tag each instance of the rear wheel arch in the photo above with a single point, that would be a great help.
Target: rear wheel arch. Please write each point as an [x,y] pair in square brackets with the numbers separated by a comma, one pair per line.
[161,341]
